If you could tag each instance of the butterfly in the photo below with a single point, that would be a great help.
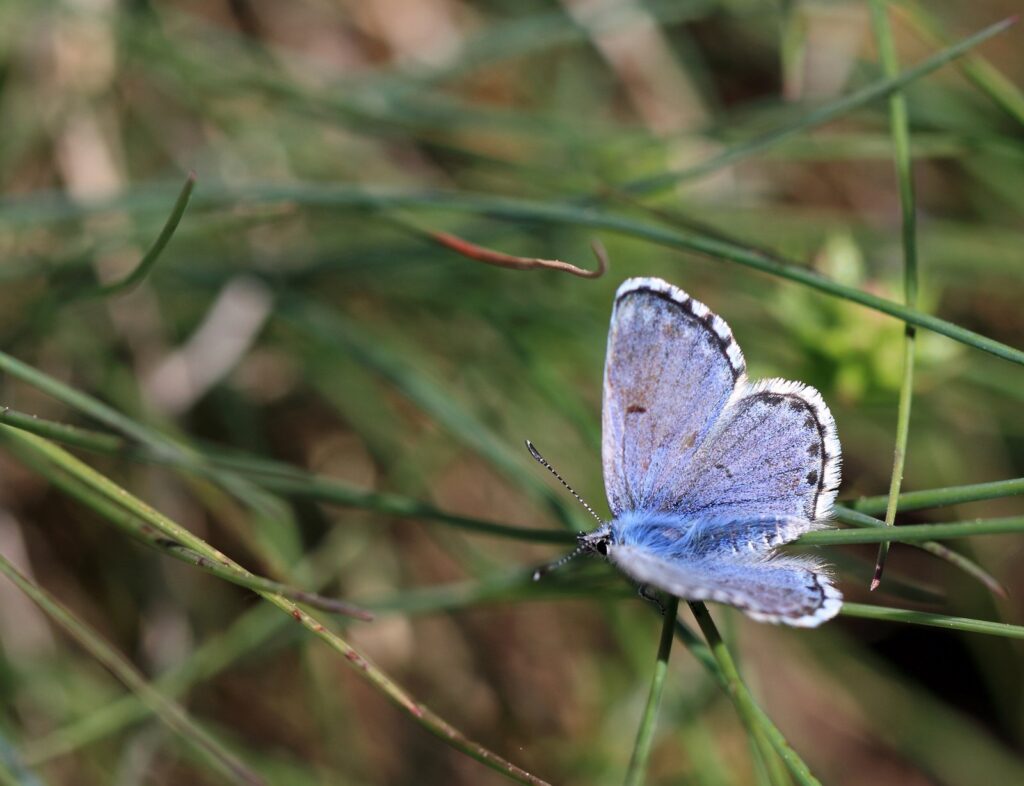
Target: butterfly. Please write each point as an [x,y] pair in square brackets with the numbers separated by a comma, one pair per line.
[707,473]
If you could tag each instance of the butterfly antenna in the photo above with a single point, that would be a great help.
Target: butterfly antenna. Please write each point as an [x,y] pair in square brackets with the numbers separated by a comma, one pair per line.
[543,571]
[544,463]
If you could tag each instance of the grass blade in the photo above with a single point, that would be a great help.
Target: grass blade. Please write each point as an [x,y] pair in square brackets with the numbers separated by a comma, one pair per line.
[817,117]
[102,488]
[171,713]
[153,254]
[900,128]
[298,483]
[591,218]
[257,632]
[886,614]
[914,533]
[950,495]
[254,629]
[134,518]
[645,734]
[279,478]
[751,715]
[1004,93]
[967,565]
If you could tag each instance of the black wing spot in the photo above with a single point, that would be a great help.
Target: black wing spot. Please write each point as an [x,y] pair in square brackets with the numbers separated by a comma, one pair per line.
[796,405]
[813,449]
[725,469]
[635,408]
[812,477]
[810,422]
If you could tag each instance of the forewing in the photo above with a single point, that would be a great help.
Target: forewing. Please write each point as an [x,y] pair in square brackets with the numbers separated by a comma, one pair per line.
[670,369]
[784,590]
[774,451]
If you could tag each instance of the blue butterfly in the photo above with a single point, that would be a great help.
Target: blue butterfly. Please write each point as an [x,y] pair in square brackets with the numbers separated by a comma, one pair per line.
[707,473]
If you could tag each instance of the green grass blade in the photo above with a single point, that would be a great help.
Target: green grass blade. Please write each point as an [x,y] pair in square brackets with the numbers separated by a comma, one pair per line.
[268,513]
[970,567]
[883,613]
[172,714]
[751,715]
[161,445]
[921,723]
[1004,93]
[591,218]
[950,495]
[713,247]
[279,478]
[254,634]
[80,401]
[900,129]
[816,117]
[153,254]
[326,325]
[136,520]
[645,734]
[88,439]
[252,631]
[103,489]
[914,533]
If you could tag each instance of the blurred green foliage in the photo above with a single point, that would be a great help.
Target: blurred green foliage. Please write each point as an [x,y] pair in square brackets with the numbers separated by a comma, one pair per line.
[296,345]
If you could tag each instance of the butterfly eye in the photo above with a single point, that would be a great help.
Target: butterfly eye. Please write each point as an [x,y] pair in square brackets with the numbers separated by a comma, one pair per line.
[602,548]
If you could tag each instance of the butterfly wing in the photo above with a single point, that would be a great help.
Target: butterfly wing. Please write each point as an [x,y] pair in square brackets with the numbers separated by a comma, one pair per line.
[705,473]
[671,367]
[787,590]
[773,451]
[734,538]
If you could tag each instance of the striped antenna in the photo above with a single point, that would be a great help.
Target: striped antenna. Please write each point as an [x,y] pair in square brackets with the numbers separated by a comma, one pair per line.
[542,571]
[544,463]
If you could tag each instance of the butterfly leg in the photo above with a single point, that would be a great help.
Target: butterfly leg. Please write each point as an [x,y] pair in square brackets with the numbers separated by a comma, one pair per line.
[645,592]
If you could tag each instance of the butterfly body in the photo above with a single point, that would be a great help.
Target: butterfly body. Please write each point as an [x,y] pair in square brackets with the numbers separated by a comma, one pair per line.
[706,473]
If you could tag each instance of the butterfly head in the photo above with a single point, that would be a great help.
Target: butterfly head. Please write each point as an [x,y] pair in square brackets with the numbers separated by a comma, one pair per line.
[596,541]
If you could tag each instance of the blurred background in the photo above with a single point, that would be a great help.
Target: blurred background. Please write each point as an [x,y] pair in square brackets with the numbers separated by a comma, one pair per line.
[301,315]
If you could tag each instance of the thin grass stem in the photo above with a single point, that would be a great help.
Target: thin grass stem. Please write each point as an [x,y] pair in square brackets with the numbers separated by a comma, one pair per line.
[171,713]
[900,129]
[986,77]
[517,588]
[935,498]
[75,478]
[141,270]
[913,617]
[886,87]
[275,477]
[490,256]
[914,533]
[591,218]
[943,552]
[91,486]
[645,734]
[752,716]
